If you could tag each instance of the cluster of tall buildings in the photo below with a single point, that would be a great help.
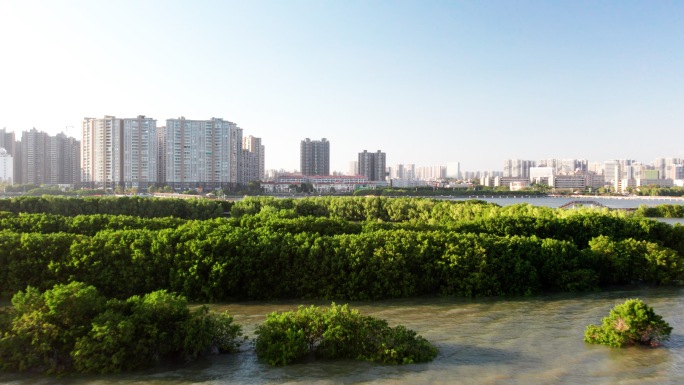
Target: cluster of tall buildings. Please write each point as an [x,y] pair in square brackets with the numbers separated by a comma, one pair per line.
[411,171]
[574,174]
[619,174]
[314,160]
[213,153]
[184,153]
[38,158]
[136,152]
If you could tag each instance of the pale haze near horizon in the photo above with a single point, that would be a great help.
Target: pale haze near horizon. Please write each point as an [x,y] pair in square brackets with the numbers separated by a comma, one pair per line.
[426,82]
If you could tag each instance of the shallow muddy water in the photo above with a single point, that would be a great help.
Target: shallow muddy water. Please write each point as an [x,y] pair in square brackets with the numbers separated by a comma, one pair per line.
[534,340]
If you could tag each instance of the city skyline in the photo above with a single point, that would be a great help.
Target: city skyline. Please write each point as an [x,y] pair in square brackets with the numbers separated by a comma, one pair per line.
[427,82]
[253,154]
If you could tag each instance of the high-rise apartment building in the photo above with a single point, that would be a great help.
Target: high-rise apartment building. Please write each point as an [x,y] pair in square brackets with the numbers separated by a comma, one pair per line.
[410,171]
[119,152]
[140,152]
[353,168]
[64,160]
[565,166]
[101,151]
[8,141]
[398,172]
[372,165]
[254,159]
[668,167]
[161,155]
[517,168]
[314,157]
[202,153]
[611,171]
[45,159]
[453,170]
[34,157]
[430,173]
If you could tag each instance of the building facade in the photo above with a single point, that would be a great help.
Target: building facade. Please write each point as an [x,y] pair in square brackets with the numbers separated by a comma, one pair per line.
[101,152]
[431,173]
[8,141]
[314,157]
[6,167]
[667,167]
[64,160]
[254,159]
[119,152]
[517,168]
[372,165]
[34,155]
[140,152]
[42,159]
[453,170]
[202,153]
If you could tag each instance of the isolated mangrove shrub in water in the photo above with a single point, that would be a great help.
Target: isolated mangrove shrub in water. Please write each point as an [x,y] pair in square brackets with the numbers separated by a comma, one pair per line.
[337,332]
[630,323]
[73,327]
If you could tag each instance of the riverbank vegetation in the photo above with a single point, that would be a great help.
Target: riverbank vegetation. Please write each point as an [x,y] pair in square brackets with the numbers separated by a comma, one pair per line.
[630,323]
[674,191]
[73,327]
[661,211]
[119,260]
[337,332]
[351,248]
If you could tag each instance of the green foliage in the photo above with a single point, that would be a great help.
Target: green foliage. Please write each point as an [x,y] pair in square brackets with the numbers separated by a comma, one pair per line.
[632,322]
[354,248]
[213,330]
[42,329]
[74,327]
[334,333]
[674,191]
[661,211]
[135,206]
[631,261]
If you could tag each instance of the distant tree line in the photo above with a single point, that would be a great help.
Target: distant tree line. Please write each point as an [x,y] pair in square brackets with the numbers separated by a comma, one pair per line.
[352,248]
[143,207]
[661,211]
[674,191]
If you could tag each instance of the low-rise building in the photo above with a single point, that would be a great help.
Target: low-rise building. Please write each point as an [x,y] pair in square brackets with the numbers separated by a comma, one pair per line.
[542,175]
[504,181]
[519,185]
[654,182]
[320,183]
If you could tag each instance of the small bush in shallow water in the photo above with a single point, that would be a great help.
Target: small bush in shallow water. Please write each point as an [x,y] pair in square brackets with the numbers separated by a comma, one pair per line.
[337,332]
[630,323]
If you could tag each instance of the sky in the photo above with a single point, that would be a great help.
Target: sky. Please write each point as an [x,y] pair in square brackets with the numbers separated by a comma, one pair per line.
[426,82]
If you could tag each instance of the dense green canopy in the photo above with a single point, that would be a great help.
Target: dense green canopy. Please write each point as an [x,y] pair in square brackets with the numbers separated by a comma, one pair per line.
[337,248]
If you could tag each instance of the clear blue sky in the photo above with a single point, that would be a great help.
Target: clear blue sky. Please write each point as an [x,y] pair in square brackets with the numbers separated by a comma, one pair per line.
[427,82]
